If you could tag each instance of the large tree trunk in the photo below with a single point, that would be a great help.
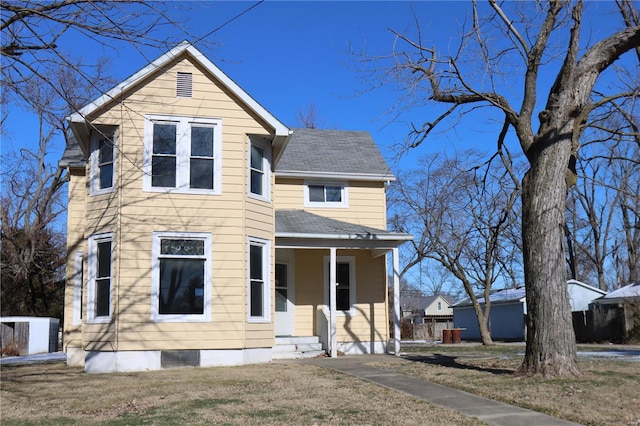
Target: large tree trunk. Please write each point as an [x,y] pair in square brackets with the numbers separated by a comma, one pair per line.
[551,346]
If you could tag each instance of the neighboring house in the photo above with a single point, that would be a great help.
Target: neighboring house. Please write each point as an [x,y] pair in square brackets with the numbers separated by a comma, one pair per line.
[421,308]
[616,316]
[200,227]
[508,309]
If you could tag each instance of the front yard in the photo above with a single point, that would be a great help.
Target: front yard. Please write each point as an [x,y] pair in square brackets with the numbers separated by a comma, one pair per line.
[273,394]
[294,393]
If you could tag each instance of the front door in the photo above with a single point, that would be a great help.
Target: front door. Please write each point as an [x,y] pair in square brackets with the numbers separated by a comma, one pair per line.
[285,320]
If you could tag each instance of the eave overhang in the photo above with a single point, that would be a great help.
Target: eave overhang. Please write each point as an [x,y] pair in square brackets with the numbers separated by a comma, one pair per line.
[301,229]
[335,176]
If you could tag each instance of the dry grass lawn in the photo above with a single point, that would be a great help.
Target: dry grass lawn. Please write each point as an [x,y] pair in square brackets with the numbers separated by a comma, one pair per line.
[292,393]
[607,394]
[276,393]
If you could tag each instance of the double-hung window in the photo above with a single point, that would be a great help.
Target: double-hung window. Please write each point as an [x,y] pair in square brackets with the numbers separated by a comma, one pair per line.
[100,278]
[259,169]
[181,277]
[182,154]
[102,160]
[346,284]
[78,282]
[259,273]
[325,195]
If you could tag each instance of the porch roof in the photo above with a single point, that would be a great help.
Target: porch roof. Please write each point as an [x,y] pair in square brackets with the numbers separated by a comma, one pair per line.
[297,228]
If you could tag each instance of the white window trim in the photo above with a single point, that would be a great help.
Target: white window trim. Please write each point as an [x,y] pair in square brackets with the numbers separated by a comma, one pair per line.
[78,269]
[332,205]
[266,167]
[94,159]
[351,260]
[266,273]
[155,278]
[183,152]
[91,278]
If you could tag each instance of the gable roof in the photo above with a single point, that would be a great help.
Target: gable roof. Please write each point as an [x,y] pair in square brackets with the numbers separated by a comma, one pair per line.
[420,302]
[628,291]
[507,295]
[327,154]
[586,286]
[183,49]
[517,295]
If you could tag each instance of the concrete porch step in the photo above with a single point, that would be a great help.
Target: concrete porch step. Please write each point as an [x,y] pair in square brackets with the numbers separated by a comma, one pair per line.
[297,347]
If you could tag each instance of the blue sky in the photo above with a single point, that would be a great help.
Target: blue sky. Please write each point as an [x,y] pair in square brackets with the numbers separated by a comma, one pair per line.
[290,55]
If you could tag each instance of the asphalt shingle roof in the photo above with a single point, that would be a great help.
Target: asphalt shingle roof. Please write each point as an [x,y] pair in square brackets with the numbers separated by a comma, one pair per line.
[304,223]
[72,155]
[630,290]
[333,151]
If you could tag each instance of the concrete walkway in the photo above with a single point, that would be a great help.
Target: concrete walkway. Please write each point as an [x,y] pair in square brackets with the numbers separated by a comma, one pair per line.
[487,410]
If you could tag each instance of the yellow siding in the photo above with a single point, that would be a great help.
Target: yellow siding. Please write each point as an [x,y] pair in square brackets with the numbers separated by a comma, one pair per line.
[370,320]
[133,215]
[75,243]
[367,202]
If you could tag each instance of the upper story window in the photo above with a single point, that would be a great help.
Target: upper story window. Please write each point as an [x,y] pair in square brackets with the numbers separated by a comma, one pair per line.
[182,154]
[259,169]
[326,195]
[102,160]
[181,277]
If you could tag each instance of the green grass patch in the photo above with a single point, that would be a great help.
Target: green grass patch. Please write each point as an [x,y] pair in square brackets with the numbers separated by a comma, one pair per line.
[265,414]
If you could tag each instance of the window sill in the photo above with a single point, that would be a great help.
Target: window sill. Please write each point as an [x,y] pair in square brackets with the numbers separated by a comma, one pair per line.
[102,191]
[99,320]
[181,318]
[183,191]
[259,197]
[311,205]
[350,313]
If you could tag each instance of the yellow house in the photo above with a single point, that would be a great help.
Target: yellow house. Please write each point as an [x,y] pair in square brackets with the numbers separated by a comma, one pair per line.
[202,231]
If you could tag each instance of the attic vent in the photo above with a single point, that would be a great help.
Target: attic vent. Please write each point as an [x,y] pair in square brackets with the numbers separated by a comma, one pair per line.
[184,86]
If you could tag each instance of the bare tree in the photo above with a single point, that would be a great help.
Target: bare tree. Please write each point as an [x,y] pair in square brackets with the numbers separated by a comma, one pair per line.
[602,215]
[459,215]
[527,34]
[309,118]
[33,32]
[33,243]
[39,76]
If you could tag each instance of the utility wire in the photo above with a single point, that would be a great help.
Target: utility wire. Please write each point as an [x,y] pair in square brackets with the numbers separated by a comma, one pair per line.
[229,21]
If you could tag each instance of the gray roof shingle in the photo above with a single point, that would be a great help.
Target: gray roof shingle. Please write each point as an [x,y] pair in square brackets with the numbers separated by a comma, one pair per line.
[303,223]
[333,151]
[72,155]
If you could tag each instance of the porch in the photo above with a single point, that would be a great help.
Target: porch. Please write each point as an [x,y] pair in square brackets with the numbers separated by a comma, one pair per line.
[331,282]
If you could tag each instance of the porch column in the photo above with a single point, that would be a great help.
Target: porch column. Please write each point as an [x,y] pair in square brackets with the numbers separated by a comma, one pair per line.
[332,303]
[396,300]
